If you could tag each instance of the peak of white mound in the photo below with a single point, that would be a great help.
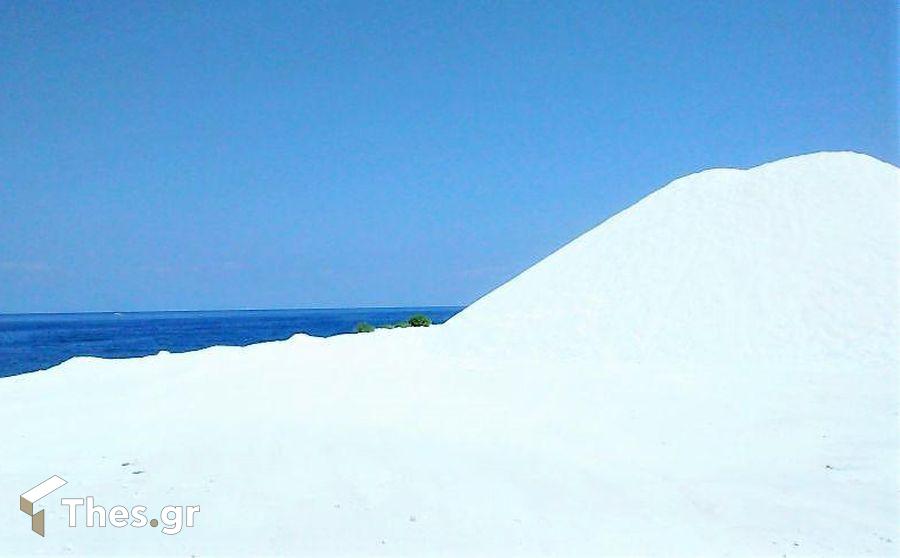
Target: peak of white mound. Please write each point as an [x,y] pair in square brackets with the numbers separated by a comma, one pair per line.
[782,263]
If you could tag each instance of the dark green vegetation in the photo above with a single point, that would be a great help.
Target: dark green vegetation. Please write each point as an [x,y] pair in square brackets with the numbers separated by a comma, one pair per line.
[416,320]
[419,320]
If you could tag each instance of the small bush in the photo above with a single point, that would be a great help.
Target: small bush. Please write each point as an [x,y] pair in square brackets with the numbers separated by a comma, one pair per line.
[363,327]
[401,324]
[419,320]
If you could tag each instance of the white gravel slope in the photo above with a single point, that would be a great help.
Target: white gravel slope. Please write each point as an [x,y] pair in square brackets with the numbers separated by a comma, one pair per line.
[714,371]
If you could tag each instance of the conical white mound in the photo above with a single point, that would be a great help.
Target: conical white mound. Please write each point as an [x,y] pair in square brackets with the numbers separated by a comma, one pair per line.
[784,263]
[712,372]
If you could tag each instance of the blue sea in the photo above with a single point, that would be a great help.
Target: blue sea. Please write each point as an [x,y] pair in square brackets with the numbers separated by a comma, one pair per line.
[30,342]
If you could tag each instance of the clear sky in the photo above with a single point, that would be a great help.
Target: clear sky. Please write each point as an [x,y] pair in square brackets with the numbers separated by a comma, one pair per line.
[212,155]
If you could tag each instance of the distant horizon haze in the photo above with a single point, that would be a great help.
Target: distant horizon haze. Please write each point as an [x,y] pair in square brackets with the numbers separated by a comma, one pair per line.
[226,310]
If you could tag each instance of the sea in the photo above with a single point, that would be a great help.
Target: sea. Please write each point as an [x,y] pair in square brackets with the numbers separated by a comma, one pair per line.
[30,342]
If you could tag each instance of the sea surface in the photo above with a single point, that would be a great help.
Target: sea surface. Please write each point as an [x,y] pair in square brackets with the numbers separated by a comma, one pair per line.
[30,342]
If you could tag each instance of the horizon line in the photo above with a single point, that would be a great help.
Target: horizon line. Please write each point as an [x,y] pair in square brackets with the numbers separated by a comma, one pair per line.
[70,313]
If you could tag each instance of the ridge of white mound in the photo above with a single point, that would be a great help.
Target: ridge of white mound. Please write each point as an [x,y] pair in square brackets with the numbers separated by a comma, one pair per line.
[714,371]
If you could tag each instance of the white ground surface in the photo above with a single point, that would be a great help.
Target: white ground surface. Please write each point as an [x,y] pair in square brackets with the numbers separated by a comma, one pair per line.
[712,372]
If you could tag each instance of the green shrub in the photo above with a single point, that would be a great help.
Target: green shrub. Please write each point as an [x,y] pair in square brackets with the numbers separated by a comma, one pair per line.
[363,327]
[401,324]
[419,320]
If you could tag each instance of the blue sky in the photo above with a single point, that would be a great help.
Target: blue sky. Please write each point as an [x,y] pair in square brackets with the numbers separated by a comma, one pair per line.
[280,155]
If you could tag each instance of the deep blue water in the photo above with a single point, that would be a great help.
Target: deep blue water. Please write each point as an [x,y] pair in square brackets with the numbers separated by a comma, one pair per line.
[30,342]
